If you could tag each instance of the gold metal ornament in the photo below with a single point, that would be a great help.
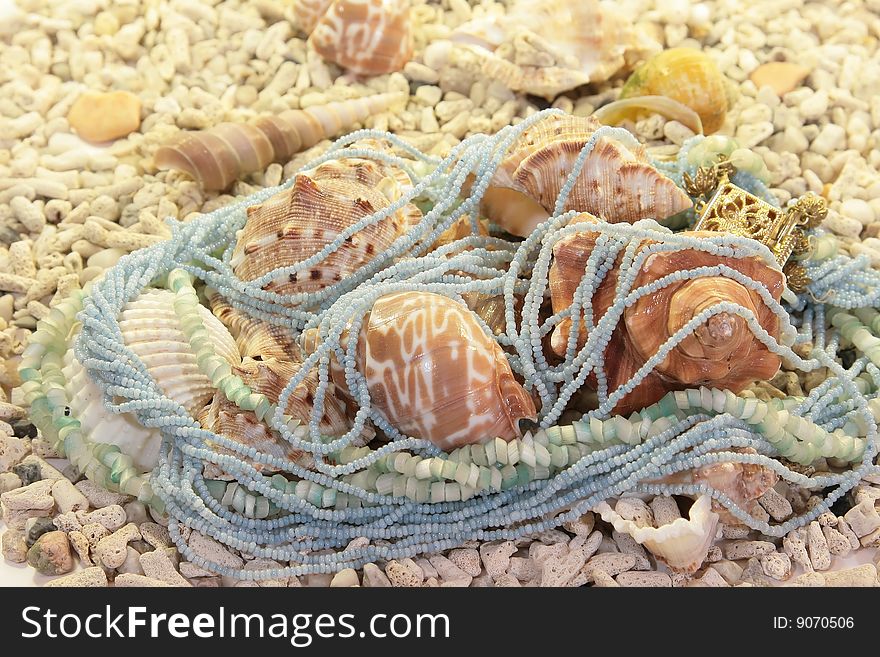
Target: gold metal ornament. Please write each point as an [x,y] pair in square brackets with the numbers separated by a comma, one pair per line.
[731,209]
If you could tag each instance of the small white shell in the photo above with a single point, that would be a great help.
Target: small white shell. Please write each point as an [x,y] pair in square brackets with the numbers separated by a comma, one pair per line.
[151,329]
[682,544]
[100,425]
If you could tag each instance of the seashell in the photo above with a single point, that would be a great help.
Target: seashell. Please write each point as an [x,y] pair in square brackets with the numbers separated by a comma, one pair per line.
[367,37]
[629,108]
[546,48]
[721,353]
[682,544]
[616,183]
[743,483]
[434,374]
[253,337]
[98,117]
[218,156]
[151,329]
[687,75]
[86,402]
[296,223]
[269,377]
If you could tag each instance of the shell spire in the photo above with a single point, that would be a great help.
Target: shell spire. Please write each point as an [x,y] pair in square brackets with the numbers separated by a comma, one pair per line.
[218,156]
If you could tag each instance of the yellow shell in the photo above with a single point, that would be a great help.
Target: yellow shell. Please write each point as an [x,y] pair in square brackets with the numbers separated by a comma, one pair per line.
[617,181]
[368,37]
[686,75]
[296,223]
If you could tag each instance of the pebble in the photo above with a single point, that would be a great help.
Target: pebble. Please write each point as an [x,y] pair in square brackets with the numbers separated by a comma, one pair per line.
[51,555]
[111,550]
[856,208]
[345,579]
[99,497]
[110,517]
[467,560]
[747,549]
[401,575]
[610,563]
[374,577]
[810,579]
[644,579]
[67,497]
[830,139]
[781,77]
[865,575]
[814,106]
[36,527]
[776,565]
[158,565]
[12,451]
[712,578]
[142,581]
[14,546]
[817,547]
[100,117]
[838,544]
[93,577]
[863,518]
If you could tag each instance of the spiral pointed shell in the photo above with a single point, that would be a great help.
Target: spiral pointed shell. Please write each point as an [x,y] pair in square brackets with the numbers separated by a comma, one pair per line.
[367,37]
[721,353]
[296,223]
[617,182]
[218,156]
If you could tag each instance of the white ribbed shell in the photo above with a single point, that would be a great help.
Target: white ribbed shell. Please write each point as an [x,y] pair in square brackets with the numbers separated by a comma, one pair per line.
[152,331]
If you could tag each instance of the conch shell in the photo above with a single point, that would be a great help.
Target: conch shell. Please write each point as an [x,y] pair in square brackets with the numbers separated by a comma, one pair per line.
[686,75]
[255,338]
[367,37]
[296,223]
[682,544]
[269,378]
[218,156]
[721,353]
[434,374]
[617,182]
[546,48]
[152,330]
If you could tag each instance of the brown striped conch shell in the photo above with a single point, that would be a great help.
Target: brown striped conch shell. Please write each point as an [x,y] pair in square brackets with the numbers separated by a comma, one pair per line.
[367,37]
[152,330]
[296,223]
[617,182]
[255,338]
[547,47]
[721,353]
[681,544]
[434,374]
[218,156]
[269,377]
